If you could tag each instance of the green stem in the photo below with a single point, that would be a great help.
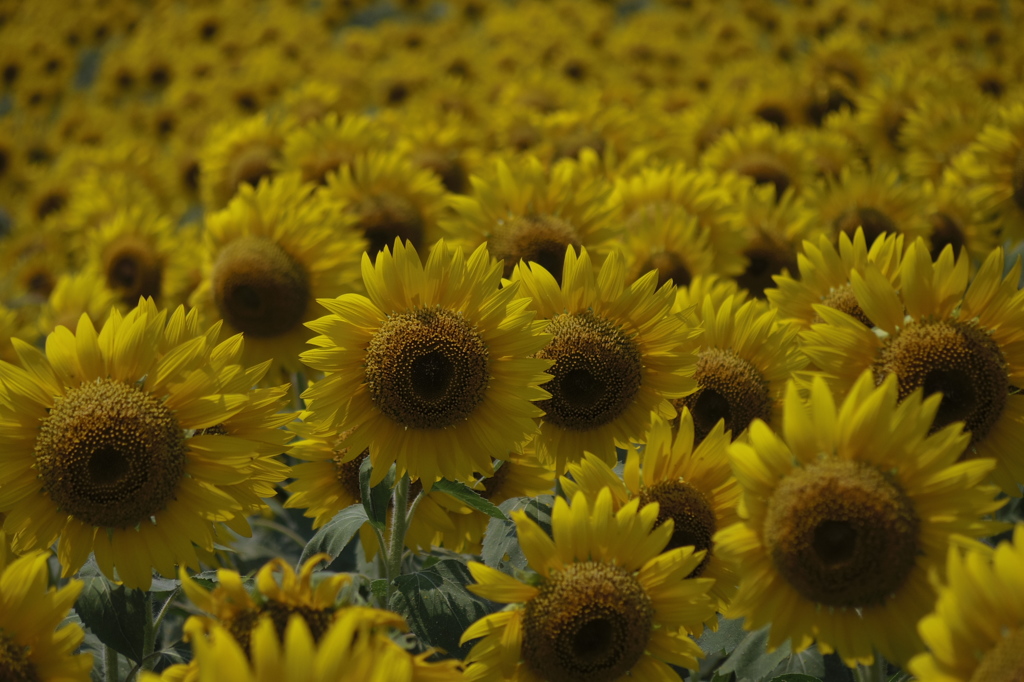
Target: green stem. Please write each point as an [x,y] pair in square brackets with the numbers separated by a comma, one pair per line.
[399,526]
[148,635]
[110,670]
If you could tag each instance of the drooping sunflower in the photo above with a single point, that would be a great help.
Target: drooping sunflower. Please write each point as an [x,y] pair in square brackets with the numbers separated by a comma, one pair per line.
[106,444]
[608,603]
[619,353]
[432,369]
[690,481]
[941,335]
[844,515]
[976,628]
[31,645]
[746,357]
[269,255]
[824,276]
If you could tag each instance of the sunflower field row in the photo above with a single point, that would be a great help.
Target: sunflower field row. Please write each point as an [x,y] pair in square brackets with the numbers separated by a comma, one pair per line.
[511,340]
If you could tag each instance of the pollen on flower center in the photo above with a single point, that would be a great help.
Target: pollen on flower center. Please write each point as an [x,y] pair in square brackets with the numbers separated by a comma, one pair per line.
[110,454]
[539,239]
[731,389]
[1004,662]
[14,663]
[597,371]
[842,533]
[845,301]
[132,269]
[259,288]
[959,360]
[590,623]
[427,368]
[692,515]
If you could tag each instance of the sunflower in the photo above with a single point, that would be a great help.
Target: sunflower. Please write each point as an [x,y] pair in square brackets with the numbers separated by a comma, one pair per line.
[619,353]
[939,334]
[669,240]
[824,276]
[843,517]
[106,443]
[432,369]
[976,628]
[268,256]
[690,298]
[527,212]
[608,602]
[746,357]
[760,151]
[693,486]
[939,127]
[389,198]
[322,146]
[958,221]
[30,613]
[237,154]
[73,294]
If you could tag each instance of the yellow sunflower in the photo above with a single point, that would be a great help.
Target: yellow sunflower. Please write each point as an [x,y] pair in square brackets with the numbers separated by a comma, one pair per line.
[527,212]
[73,294]
[31,645]
[389,198]
[976,629]
[691,482]
[958,221]
[941,335]
[746,357]
[760,151]
[237,154]
[322,146]
[619,353]
[843,517]
[939,127]
[431,370]
[269,255]
[824,276]
[668,239]
[690,298]
[106,447]
[608,603]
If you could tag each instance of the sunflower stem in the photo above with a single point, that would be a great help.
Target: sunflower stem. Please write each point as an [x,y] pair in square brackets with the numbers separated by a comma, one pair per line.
[110,670]
[148,635]
[399,526]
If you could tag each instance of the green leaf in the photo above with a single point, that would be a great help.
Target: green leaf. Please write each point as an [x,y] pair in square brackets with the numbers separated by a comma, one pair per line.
[377,500]
[469,497]
[336,533]
[808,663]
[730,632]
[379,588]
[501,544]
[115,614]
[438,606]
[795,677]
[750,659]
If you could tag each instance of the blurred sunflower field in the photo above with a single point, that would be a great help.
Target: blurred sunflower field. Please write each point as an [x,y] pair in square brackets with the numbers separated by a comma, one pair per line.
[493,340]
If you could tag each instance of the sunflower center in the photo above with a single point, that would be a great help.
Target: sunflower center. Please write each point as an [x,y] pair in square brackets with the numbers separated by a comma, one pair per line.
[730,388]
[597,371]
[1017,180]
[541,239]
[845,301]
[427,368]
[945,231]
[763,261]
[959,360]
[133,270]
[318,620]
[260,289]
[386,217]
[590,623]
[250,166]
[14,663]
[493,484]
[764,169]
[670,266]
[689,509]
[1004,662]
[842,533]
[110,454]
[347,473]
[874,222]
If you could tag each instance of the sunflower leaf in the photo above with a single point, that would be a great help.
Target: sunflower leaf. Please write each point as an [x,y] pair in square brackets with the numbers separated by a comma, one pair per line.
[115,614]
[336,533]
[501,543]
[469,497]
[377,499]
[437,605]
[750,659]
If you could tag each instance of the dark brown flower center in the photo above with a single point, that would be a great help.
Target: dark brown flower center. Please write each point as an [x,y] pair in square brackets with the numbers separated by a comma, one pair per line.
[427,368]
[945,231]
[541,239]
[765,169]
[110,454]
[730,388]
[596,375]
[1004,662]
[845,301]
[842,533]
[250,166]
[690,511]
[133,269]
[764,259]
[960,360]
[874,222]
[14,663]
[259,288]
[590,623]
[670,266]
[386,217]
